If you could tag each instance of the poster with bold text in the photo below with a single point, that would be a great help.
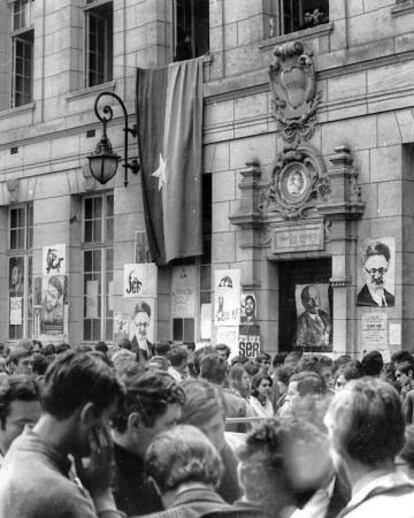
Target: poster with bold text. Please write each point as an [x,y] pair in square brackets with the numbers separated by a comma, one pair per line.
[183,291]
[54,260]
[140,280]
[374,331]
[376,286]
[226,297]
[249,340]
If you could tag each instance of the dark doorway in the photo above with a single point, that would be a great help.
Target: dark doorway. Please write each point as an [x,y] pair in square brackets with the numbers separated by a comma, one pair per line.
[294,276]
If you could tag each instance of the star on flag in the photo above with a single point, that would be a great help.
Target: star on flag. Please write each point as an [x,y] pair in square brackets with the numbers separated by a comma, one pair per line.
[160,173]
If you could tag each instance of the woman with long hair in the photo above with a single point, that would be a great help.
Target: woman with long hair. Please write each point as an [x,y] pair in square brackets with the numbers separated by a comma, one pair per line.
[260,398]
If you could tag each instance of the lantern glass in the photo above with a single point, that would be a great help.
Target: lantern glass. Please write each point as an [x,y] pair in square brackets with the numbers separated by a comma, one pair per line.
[103,166]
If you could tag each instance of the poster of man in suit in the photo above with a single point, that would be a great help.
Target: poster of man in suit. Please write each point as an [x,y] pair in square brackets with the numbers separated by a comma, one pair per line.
[314,326]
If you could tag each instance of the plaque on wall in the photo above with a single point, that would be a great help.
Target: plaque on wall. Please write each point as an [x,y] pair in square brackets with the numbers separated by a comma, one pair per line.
[287,238]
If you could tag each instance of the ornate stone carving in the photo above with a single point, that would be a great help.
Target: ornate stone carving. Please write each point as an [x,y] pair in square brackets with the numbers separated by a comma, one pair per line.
[298,177]
[292,79]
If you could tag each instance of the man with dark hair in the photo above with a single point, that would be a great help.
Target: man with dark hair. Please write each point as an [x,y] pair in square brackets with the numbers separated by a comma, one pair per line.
[366,427]
[21,361]
[213,368]
[79,395]
[19,406]
[404,375]
[178,357]
[263,360]
[152,404]
[52,305]
[372,364]
[375,259]
[223,350]
[142,319]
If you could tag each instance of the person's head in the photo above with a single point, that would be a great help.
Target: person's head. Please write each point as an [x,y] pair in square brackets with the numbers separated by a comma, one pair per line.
[204,409]
[152,404]
[278,360]
[54,292]
[198,355]
[37,346]
[162,349]
[282,377]
[300,385]
[249,306]
[310,299]
[240,360]
[366,426]
[40,364]
[263,360]
[223,350]
[251,368]
[178,357]
[182,456]
[80,392]
[372,363]
[239,380]
[101,347]
[325,369]
[292,359]
[190,346]
[262,386]
[49,350]
[62,348]
[347,372]
[308,363]
[142,318]
[213,368]
[375,260]
[404,373]
[19,406]
[21,361]
[402,356]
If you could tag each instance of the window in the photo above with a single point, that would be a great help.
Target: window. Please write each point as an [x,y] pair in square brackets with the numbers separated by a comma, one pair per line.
[98,238]
[20,271]
[99,42]
[191,28]
[295,15]
[23,43]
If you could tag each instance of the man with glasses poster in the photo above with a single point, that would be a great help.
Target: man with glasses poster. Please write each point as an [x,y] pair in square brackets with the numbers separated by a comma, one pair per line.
[376,259]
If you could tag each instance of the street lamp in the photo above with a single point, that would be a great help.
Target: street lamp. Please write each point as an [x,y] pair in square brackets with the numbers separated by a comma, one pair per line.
[104,162]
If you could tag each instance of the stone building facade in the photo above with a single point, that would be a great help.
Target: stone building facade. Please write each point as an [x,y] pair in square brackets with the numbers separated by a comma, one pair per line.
[342,121]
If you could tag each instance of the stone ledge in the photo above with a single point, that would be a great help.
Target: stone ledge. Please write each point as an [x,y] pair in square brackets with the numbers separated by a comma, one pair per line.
[305,34]
[402,8]
[19,110]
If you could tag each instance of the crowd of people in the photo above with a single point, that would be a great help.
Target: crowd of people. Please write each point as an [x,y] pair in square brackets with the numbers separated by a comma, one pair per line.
[186,432]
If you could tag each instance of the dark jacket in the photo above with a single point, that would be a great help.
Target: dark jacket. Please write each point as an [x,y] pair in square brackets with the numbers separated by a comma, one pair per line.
[133,494]
[364,298]
[198,502]
[234,406]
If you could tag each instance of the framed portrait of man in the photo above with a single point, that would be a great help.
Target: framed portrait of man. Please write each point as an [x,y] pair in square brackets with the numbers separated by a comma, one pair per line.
[376,286]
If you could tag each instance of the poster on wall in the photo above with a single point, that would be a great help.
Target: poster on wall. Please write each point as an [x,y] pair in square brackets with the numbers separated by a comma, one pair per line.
[141,327]
[140,280]
[229,335]
[53,314]
[374,331]
[16,311]
[183,291]
[226,297]
[121,326]
[314,325]
[16,277]
[376,286]
[54,260]
[249,340]
[248,309]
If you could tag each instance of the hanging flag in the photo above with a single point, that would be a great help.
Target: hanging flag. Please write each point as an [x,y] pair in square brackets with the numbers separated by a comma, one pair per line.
[169,120]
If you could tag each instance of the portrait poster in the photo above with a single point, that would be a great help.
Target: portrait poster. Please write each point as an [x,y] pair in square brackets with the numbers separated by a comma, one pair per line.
[54,304]
[229,335]
[248,309]
[16,311]
[314,324]
[142,320]
[92,288]
[54,260]
[374,331]
[140,280]
[183,291]
[16,276]
[376,278]
[121,326]
[226,297]
[249,340]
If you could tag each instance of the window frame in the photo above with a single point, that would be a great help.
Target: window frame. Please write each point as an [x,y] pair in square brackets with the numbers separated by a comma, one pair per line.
[105,275]
[174,32]
[90,8]
[25,252]
[280,16]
